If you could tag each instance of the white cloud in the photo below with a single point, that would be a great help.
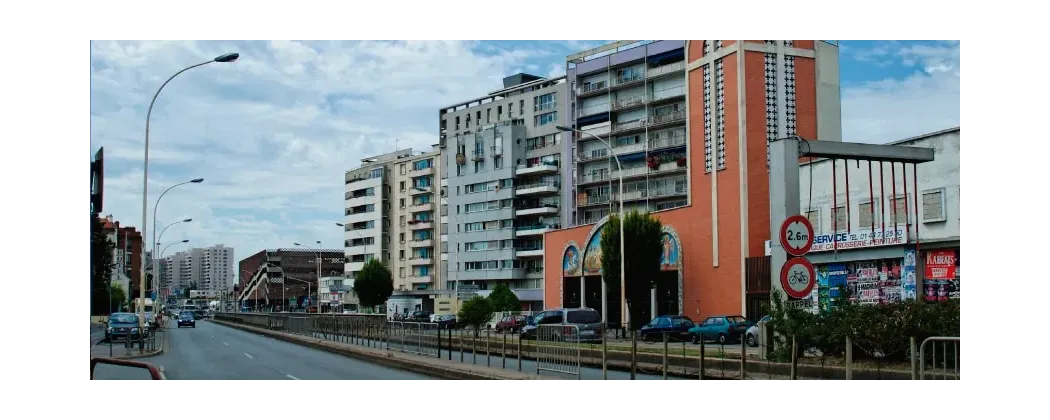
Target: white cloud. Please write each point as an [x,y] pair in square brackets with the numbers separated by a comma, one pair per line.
[889,109]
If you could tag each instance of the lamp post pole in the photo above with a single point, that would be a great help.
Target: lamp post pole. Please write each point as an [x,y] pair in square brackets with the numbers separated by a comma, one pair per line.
[318,249]
[625,315]
[225,58]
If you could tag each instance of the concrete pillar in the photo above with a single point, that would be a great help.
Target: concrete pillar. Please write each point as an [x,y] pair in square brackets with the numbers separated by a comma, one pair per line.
[783,200]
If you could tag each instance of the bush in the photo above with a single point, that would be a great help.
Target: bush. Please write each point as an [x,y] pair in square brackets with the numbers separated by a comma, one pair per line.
[881,332]
[476,312]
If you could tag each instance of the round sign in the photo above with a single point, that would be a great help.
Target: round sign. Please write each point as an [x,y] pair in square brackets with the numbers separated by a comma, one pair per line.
[797,277]
[796,235]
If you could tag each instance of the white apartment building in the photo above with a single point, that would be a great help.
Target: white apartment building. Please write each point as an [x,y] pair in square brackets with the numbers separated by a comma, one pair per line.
[415,228]
[206,269]
[367,212]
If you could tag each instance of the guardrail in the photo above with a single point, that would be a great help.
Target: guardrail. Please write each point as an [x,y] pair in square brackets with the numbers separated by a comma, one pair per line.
[423,338]
[154,373]
[558,349]
[944,367]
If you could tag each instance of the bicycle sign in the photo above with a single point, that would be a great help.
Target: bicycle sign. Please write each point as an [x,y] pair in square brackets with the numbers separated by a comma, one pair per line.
[796,235]
[797,277]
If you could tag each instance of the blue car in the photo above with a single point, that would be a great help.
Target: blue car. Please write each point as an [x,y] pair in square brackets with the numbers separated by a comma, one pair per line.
[122,325]
[675,326]
[187,318]
[722,329]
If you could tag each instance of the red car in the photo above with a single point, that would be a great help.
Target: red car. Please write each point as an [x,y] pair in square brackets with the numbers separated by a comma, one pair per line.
[512,323]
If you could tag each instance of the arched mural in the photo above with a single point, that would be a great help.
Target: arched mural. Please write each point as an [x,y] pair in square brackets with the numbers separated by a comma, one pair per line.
[571,261]
[592,257]
[671,256]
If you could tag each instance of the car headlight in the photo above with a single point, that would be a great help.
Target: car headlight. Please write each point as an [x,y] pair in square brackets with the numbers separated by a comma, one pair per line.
[109,329]
[134,329]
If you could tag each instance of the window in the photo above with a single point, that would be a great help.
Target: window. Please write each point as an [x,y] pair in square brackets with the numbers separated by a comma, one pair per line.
[900,214]
[402,186]
[840,218]
[510,109]
[479,166]
[402,236]
[933,206]
[864,214]
[402,171]
[543,103]
[402,220]
[497,162]
[402,203]
[420,165]
[544,119]
[401,272]
[401,254]
[814,219]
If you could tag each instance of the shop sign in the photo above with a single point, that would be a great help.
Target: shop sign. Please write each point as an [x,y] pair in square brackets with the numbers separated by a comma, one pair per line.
[940,265]
[860,239]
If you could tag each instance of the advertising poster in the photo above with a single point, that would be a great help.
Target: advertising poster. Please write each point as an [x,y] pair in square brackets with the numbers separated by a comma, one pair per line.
[830,278]
[873,282]
[908,275]
[941,279]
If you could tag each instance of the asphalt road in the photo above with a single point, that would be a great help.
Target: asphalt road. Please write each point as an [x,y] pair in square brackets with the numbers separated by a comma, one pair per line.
[212,351]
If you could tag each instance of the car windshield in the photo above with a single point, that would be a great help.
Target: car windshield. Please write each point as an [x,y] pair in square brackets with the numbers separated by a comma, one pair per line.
[123,319]
[736,319]
[186,315]
[583,317]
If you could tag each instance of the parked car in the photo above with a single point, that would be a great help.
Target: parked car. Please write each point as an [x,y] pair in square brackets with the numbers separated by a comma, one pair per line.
[188,319]
[419,316]
[588,322]
[446,322]
[723,329]
[123,325]
[675,326]
[753,336]
[512,323]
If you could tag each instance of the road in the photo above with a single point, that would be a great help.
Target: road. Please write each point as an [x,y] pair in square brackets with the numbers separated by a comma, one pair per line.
[213,351]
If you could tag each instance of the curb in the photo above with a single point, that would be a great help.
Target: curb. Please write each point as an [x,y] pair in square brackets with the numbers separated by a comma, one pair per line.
[438,368]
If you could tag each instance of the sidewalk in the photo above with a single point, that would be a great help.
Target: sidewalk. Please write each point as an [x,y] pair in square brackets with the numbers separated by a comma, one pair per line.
[118,350]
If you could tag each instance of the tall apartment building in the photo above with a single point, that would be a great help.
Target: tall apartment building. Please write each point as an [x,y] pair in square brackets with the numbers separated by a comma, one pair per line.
[391,215]
[635,99]
[208,269]
[504,184]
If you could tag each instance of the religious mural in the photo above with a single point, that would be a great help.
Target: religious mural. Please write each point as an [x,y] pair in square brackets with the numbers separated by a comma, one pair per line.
[570,264]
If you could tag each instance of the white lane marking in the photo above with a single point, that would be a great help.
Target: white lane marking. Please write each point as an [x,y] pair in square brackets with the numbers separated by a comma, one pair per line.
[292,377]
[225,343]
[248,356]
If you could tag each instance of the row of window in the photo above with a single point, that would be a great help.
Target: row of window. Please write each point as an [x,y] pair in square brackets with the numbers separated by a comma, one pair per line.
[899,211]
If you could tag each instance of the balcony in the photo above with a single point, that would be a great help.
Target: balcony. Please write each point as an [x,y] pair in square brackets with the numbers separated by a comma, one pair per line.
[420,190]
[540,168]
[544,107]
[592,89]
[461,159]
[537,188]
[665,119]
[628,102]
[529,252]
[674,138]
[421,207]
[603,153]
[497,150]
[667,94]
[591,110]
[612,175]
[634,79]
[597,131]
[340,288]
[627,126]
[533,230]
[664,70]
[421,243]
[421,172]
[477,155]
[420,225]
[420,261]
[540,209]
[420,279]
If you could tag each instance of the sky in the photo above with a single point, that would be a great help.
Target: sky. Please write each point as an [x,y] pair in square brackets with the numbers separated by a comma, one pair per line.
[273,133]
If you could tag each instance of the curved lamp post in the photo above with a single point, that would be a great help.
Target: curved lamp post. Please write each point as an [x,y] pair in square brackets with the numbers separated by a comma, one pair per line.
[624,314]
[225,58]
[156,237]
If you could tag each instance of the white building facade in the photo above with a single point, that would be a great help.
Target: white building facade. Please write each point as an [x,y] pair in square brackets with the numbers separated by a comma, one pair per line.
[208,270]
[879,242]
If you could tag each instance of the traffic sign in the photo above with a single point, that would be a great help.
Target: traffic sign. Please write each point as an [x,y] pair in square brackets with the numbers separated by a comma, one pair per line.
[797,277]
[796,235]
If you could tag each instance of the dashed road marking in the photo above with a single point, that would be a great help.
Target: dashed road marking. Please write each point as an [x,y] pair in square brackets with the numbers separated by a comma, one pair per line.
[248,356]
[292,377]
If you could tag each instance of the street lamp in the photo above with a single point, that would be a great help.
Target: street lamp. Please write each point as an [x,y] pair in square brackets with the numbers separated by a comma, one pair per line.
[154,230]
[156,275]
[156,241]
[225,58]
[318,249]
[625,315]
[163,250]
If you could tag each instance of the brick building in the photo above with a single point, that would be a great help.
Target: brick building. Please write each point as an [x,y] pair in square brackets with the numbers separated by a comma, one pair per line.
[127,252]
[266,276]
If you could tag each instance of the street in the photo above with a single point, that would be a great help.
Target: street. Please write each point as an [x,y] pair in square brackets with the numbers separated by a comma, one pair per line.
[212,351]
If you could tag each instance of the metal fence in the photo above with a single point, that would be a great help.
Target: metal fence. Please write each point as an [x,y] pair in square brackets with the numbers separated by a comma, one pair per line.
[939,358]
[422,338]
[558,349]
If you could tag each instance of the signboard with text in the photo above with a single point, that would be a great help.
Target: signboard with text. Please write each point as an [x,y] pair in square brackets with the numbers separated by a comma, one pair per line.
[940,265]
[860,239]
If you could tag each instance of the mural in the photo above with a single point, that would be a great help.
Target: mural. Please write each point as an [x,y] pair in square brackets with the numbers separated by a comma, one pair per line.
[592,257]
[570,264]
[671,255]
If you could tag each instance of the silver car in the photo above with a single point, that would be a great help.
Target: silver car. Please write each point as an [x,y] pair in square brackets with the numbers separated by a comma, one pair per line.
[588,323]
[752,336]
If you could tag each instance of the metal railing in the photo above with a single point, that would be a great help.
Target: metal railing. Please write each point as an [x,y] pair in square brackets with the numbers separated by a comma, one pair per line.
[662,94]
[421,338]
[665,69]
[666,118]
[537,185]
[558,349]
[943,364]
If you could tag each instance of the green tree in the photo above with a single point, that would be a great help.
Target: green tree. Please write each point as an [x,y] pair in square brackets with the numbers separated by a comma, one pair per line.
[373,284]
[504,300]
[476,312]
[118,297]
[642,266]
[101,267]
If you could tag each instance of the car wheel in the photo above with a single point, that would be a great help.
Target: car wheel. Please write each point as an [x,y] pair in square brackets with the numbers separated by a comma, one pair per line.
[696,338]
[751,340]
[722,338]
[645,337]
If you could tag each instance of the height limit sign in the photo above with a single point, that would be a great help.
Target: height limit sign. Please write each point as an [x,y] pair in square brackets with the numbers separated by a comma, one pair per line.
[796,235]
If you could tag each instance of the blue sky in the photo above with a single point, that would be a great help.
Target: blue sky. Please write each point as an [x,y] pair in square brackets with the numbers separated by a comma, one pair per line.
[273,133]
